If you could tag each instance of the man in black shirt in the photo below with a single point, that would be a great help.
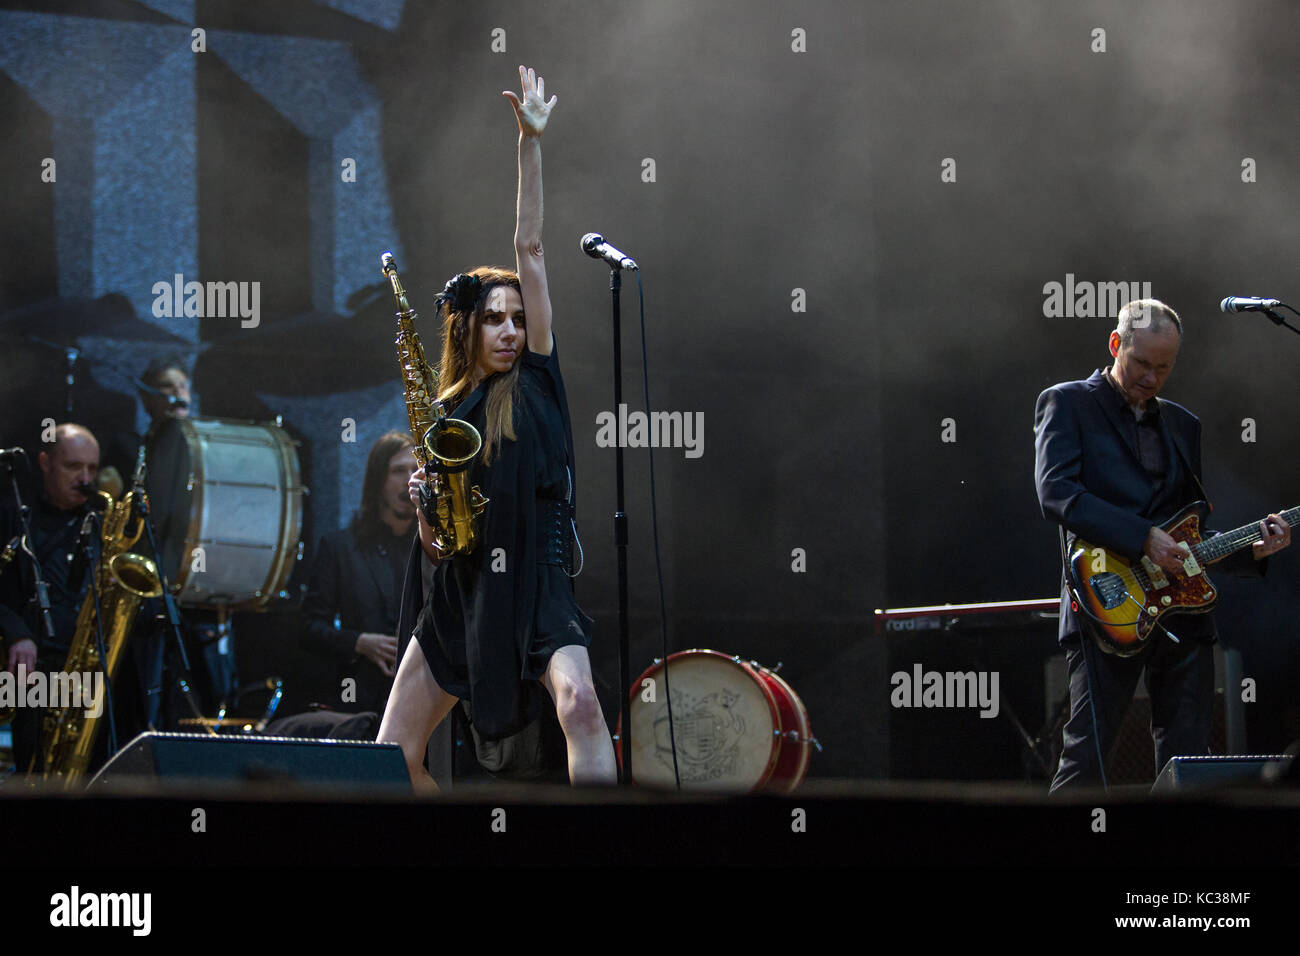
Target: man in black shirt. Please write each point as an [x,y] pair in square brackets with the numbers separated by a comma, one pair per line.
[68,467]
[350,613]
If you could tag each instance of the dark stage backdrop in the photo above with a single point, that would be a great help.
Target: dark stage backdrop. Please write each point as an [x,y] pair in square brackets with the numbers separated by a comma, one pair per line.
[848,216]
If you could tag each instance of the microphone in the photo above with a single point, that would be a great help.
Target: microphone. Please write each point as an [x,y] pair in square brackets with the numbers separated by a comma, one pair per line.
[594,245]
[172,400]
[1236,303]
[137,480]
[81,556]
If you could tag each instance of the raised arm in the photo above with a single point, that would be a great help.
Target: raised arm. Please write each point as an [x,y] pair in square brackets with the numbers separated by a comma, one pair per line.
[532,111]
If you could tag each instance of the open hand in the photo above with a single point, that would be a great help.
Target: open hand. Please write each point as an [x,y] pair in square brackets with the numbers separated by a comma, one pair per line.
[532,111]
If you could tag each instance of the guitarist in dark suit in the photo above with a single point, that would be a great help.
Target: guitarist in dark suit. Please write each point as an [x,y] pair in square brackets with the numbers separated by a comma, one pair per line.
[1112,463]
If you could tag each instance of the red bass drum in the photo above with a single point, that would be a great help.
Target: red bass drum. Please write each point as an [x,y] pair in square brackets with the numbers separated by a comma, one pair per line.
[737,726]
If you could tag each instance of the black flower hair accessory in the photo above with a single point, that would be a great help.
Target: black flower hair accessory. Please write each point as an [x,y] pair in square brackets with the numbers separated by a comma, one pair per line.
[461,293]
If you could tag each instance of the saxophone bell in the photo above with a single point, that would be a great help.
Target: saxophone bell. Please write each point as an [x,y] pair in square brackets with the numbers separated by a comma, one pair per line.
[136,574]
[451,505]
[452,443]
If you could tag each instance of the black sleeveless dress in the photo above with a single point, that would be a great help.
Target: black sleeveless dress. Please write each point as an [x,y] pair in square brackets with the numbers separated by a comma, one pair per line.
[493,618]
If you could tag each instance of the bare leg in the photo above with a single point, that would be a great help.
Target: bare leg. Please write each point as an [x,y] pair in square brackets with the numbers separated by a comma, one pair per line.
[591,752]
[416,706]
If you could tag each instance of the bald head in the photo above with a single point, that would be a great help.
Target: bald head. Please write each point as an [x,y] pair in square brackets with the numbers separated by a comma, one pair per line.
[71,462]
[1150,315]
[1145,346]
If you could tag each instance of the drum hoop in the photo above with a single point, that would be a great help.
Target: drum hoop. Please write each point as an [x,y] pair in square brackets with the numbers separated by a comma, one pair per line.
[196,483]
[805,731]
[773,711]
[290,516]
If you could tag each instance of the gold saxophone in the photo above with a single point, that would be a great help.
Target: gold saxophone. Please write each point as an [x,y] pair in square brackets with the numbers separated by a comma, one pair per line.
[444,447]
[123,580]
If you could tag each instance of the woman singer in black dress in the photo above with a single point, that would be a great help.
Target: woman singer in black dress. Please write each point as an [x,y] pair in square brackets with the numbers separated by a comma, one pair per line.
[502,622]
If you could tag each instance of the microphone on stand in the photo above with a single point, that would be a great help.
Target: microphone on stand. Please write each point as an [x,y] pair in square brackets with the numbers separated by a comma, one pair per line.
[137,480]
[1239,303]
[1247,303]
[594,245]
[172,400]
[81,554]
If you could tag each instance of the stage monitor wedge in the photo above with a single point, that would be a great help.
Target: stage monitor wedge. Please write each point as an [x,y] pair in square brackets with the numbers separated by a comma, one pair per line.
[349,764]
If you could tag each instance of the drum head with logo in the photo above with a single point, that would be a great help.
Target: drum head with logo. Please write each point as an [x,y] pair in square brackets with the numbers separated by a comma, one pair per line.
[724,719]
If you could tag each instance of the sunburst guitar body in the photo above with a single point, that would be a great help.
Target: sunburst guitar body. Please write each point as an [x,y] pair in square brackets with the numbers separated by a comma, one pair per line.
[1125,600]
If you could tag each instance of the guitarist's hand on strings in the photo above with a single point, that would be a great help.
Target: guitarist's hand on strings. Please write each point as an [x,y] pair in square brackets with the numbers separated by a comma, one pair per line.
[1164,550]
[1275,534]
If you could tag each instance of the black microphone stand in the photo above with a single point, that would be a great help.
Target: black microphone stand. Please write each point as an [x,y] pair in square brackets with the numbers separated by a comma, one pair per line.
[24,515]
[173,615]
[1279,320]
[620,544]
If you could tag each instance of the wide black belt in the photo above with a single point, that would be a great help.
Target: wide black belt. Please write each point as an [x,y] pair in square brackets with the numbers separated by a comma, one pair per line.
[554,533]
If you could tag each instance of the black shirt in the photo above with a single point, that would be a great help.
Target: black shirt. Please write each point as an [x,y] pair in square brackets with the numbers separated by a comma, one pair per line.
[1149,437]
[54,538]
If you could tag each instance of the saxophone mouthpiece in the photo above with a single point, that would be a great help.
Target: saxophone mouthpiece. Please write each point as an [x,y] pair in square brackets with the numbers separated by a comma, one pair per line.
[93,500]
[386,260]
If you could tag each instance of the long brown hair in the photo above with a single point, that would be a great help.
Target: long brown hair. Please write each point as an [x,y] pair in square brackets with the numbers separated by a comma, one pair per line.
[462,337]
[382,452]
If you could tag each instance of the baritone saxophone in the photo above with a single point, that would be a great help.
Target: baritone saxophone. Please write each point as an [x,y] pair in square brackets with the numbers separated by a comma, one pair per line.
[444,447]
[123,580]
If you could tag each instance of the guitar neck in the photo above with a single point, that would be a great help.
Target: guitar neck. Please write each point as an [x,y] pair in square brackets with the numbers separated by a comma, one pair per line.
[1221,545]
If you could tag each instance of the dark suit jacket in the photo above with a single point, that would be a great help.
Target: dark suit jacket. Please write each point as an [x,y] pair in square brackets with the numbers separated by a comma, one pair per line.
[1091,482]
[356,581]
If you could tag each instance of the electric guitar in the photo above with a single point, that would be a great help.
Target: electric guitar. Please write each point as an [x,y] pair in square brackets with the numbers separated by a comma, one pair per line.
[1124,600]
